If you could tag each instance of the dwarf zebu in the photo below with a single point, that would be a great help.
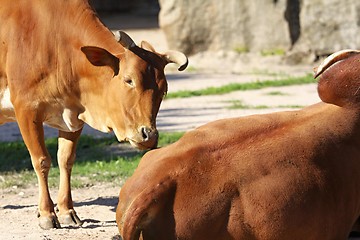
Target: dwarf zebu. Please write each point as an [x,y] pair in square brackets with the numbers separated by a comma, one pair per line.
[285,175]
[61,66]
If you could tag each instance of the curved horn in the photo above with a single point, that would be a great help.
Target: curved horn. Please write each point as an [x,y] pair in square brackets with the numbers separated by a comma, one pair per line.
[178,58]
[124,39]
[333,58]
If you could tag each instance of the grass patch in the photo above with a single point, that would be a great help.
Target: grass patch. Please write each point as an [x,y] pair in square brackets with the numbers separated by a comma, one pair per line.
[242,87]
[276,93]
[241,49]
[95,161]
[237,104]
[191,69]
[291,106]
[273,52]
[267,72]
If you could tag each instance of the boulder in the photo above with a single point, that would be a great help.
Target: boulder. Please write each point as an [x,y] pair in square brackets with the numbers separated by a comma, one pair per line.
[328,26]
[298,27]
[195,25]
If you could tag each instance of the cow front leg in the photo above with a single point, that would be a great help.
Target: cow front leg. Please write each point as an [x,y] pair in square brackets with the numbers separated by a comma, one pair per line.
[66,157]
[32,131]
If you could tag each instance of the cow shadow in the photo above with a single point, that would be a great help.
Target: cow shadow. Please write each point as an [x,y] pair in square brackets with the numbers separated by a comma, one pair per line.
[100,201]
[184,117]
[171,77]
[17,207]
[93,224]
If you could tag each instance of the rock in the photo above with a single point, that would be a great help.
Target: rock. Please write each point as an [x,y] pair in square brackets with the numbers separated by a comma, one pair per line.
[328,26]
[195,25]
[309,28]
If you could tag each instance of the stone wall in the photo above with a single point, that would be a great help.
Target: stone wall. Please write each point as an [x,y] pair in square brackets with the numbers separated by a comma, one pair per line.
[329,25]
[315,27]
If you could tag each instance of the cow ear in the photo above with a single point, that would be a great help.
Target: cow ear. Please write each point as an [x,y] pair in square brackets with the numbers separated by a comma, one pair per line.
[100,57]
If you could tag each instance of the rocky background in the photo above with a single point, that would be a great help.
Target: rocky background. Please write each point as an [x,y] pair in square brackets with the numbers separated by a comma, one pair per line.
[301,30]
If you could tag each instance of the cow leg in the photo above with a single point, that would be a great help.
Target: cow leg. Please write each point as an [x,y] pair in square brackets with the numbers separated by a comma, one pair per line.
[66,158]
[32,132]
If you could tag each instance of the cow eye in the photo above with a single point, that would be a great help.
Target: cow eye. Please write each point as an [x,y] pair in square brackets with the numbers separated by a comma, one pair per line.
[129,82]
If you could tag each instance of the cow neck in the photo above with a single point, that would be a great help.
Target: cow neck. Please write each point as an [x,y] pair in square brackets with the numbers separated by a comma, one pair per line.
[90,31]
[93,81]
[96,34]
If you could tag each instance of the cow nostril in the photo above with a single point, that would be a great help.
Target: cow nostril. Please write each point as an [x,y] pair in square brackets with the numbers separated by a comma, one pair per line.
[148,134]
[145,133]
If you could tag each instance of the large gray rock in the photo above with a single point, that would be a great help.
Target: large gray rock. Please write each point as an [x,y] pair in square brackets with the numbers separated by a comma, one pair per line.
[312,27]
[242,25]
[329,25]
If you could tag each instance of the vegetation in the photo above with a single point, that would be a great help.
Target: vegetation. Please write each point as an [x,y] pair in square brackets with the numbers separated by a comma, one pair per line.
[191,69]
[242,87]
[241,49]
[276,93]
[267,72]
[98,160]
[271,52]
[237,104]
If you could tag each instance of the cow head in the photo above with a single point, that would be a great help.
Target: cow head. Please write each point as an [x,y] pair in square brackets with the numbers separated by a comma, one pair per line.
[339,78]
[134,94]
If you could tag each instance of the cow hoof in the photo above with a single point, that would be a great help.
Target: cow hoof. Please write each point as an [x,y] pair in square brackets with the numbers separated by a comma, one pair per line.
[49,222]
[70,219]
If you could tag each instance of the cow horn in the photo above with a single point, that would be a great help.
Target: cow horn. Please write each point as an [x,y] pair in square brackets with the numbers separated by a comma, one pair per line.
[178,58]
[333,58]
[124,39]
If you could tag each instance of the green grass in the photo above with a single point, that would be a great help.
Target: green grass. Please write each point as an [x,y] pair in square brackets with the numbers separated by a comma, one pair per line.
[241,49]
[276,93]
[271,52]
[242,87]
[267,72]
[237,104]
[95,162]
[191,69]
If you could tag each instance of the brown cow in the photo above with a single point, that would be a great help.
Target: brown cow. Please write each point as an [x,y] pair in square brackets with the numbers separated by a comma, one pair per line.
[61,66]
[286,175]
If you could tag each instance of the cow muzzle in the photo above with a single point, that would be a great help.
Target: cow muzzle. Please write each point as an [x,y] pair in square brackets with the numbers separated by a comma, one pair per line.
[144,138]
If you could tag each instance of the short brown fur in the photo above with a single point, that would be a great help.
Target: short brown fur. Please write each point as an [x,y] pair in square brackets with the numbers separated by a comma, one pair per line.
[61,66]
[285,175]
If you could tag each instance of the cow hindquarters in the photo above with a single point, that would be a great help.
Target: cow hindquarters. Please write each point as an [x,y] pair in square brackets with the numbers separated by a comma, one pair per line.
[32,131]
[66,158]
[136,221]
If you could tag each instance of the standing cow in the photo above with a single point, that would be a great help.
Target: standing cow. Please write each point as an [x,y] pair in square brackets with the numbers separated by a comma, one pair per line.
[61,66]
[286,175]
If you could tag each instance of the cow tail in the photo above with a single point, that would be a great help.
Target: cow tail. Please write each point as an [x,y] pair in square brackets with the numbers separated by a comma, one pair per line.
[144,208]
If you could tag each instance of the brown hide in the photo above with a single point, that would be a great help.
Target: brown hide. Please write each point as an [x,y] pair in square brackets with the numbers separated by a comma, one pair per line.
[285,175]
[61,66]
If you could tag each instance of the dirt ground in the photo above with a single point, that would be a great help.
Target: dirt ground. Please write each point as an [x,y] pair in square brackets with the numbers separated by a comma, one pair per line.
[96,205]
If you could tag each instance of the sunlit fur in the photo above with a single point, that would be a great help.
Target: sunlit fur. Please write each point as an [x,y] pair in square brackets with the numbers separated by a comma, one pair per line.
[285,175]
[59,65]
